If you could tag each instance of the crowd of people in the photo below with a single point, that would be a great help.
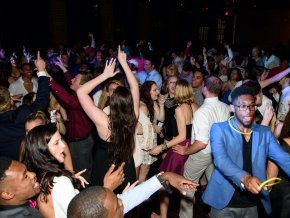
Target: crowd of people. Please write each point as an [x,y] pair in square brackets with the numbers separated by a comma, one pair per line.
[81,129]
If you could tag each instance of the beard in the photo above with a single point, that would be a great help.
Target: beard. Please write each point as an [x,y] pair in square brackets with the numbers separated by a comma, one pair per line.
[245,125]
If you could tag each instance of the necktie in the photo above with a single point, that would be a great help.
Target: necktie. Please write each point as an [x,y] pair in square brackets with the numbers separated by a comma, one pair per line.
[146,77]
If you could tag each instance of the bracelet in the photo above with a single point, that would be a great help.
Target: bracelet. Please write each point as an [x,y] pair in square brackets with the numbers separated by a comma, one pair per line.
[163,183]
[164,146]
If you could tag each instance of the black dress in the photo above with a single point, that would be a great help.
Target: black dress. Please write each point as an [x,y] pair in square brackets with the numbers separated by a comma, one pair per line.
[280,194]
[101,163]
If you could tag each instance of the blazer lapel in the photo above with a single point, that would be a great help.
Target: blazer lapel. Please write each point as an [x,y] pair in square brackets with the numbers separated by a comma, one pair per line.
[238,142]
[255,141]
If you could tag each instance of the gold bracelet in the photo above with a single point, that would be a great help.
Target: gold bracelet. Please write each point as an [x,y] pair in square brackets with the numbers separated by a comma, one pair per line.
[164,146]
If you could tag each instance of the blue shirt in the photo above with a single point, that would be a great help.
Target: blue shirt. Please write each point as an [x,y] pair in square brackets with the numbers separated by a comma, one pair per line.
[143,76]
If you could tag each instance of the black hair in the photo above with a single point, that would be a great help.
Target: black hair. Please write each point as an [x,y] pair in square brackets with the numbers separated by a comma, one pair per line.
[28,98]
[242,90]
[88,203]
[38,159]
[255,86]
[5,164]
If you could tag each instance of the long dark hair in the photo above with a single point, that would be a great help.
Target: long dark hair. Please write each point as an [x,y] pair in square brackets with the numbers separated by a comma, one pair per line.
[145,97]
[122,123]
[39,160]
[285,131]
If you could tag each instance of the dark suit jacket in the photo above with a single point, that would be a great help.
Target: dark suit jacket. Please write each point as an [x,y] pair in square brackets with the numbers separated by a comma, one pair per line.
[12,123]
[21,211]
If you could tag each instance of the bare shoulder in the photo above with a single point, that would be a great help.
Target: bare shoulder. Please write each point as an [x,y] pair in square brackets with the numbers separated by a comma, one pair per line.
[194,106]
[144,108]
[45,207]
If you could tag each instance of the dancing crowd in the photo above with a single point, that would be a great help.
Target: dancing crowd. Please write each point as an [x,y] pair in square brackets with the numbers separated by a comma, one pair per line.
[82,127]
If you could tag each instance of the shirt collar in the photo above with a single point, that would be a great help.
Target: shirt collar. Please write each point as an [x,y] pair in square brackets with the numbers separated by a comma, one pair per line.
[211,99]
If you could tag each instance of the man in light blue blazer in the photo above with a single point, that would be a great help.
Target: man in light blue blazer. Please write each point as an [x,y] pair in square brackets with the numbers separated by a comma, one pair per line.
[240,150]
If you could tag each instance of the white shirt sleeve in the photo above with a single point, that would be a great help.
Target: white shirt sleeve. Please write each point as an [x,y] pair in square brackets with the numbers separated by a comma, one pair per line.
[201,126]
[140,193]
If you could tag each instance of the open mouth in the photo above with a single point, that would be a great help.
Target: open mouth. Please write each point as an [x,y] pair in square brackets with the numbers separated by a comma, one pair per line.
[248,119]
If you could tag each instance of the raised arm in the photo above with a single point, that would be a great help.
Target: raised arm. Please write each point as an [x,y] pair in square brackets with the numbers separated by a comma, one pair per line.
[42,95]
[181,126]
[99,117]
[134,87]
[276,78]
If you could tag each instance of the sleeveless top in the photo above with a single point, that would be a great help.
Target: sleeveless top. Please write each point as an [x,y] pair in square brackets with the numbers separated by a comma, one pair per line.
[101,163]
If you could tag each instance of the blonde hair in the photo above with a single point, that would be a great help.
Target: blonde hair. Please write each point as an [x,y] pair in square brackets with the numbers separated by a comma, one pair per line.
[53,103]
[173,69]
[183,92]
[104,99]
[5,99]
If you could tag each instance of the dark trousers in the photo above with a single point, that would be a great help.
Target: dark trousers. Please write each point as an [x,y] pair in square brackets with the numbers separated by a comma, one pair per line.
[229,212]
[82,155]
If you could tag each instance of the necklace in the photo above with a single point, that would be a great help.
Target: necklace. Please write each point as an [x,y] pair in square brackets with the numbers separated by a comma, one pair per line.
[238,131]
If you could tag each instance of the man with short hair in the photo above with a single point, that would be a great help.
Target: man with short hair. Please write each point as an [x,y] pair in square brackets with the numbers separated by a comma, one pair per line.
[240,152]
[79,126]
[284,99]
[98,201]
[199,161]
[149,73]
[17,186]
[12,121]
[196,84]
[24,84]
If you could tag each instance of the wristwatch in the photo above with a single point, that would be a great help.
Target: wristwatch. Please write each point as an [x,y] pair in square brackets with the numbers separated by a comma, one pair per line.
[163,183]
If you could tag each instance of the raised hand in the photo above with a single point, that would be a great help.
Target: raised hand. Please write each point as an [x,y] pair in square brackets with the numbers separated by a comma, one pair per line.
[59,63]
[91,35]
[83,181]
[122,56]
[39,63]
[113,179]
[161,100]
[109,68]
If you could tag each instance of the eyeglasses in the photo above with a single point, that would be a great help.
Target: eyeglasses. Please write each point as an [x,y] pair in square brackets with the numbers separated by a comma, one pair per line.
[245,107]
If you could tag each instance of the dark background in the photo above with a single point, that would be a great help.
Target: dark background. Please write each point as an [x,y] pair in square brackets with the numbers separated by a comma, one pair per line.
[168,24]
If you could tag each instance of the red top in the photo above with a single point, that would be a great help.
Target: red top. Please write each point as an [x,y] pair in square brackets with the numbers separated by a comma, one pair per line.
[78,125]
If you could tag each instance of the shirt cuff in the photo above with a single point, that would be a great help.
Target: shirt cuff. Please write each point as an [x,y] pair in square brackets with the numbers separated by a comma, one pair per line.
[41,73]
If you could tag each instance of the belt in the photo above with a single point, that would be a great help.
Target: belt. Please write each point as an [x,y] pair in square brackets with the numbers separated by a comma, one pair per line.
[78,139]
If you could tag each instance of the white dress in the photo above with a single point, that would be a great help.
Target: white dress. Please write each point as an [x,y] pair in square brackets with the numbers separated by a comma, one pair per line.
[145,141]
[62,193]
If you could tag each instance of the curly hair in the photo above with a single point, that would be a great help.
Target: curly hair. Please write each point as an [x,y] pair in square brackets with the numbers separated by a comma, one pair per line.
[39,159]
[145,97]
[122,123]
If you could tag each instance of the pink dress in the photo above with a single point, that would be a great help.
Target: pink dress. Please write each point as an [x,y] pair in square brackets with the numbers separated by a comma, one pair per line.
[174,162]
